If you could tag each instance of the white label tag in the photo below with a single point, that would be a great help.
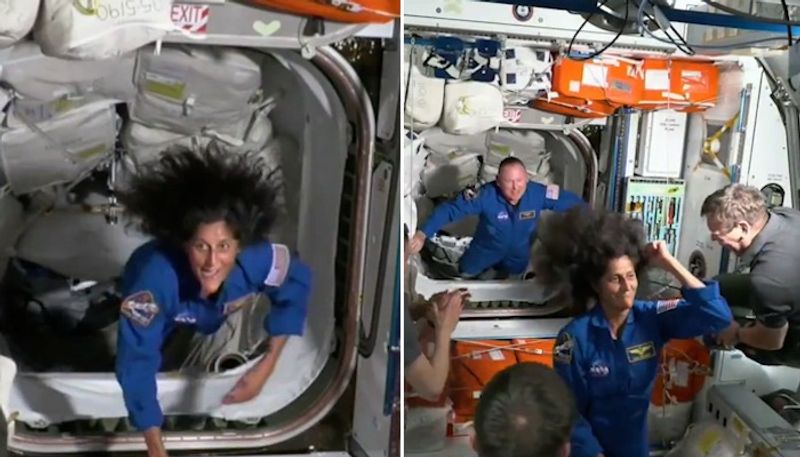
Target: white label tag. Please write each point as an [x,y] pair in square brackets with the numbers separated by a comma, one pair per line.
[682,374]
[656,80]
[496,354]
[595,75]
[692,75]
[575,86]
[476,394]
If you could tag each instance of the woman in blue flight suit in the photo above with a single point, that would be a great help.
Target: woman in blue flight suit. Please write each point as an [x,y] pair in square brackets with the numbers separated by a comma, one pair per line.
[609,354]
[209,213]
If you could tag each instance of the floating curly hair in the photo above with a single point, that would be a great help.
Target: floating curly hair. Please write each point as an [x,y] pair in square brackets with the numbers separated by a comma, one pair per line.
[186,188]
[574,248]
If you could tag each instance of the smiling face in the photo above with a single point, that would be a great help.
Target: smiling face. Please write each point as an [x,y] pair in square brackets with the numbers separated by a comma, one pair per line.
[512,180]
[616,289]
[212,253]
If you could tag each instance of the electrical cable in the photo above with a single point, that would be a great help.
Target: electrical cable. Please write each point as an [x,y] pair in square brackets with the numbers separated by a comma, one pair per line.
[640,21]
[789,33]
[788,27]
[744,14]
[684,48]
[608,45]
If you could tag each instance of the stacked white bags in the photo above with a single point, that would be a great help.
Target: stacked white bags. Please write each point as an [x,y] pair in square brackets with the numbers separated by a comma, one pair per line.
[424,94]
[525,73]
[58,150]
[471,107]
[46,87]
[16,20]
[706,439]
[93,30]
[188,89]
[147,143]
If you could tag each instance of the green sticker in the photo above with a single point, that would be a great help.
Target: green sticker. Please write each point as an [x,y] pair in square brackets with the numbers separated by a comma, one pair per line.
[92,152]
[164,86]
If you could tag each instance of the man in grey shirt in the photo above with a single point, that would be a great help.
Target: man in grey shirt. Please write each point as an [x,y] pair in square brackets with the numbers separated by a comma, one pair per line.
[769,242]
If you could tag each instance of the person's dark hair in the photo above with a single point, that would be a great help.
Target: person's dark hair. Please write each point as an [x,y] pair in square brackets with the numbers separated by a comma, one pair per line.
[186,188]
[574,249]
[508,161]
[526,410]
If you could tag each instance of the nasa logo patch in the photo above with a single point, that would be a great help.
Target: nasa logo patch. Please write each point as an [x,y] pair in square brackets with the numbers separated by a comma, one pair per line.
[185,318]
[598,369]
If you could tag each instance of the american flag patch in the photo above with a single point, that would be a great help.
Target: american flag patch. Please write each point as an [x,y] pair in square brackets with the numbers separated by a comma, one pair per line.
[281,258]
[666,305]
[552,192]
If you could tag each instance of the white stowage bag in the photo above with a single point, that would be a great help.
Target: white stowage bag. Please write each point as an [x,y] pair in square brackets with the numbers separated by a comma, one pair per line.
[668,423]
[445,176]
[448,250]
[146,143]
[424,94]
[16,20]
[45,87]
[186,89]
[58,241]
[525,73]
[414,155]
[706,439]
[527,146]
[440,142]
[93,30]
[61,150]
[471,107]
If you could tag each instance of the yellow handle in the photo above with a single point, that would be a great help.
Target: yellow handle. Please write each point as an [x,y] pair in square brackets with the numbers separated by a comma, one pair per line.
[89,10]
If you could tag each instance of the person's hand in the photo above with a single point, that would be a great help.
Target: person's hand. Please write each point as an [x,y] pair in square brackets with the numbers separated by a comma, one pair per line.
[155,445]
[424,309]
[159,452]
[658,254]
[417,242]
[729,337]
[249,385]
[447,310]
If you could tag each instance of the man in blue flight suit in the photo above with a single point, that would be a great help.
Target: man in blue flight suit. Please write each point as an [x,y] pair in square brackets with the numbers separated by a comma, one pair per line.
[210,214]
[609,355]
[509,211]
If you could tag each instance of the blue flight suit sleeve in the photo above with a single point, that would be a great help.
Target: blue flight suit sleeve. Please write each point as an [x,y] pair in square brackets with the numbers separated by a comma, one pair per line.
[286,281]
[453,210]
[702,311]
[566,362]
[149,284]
